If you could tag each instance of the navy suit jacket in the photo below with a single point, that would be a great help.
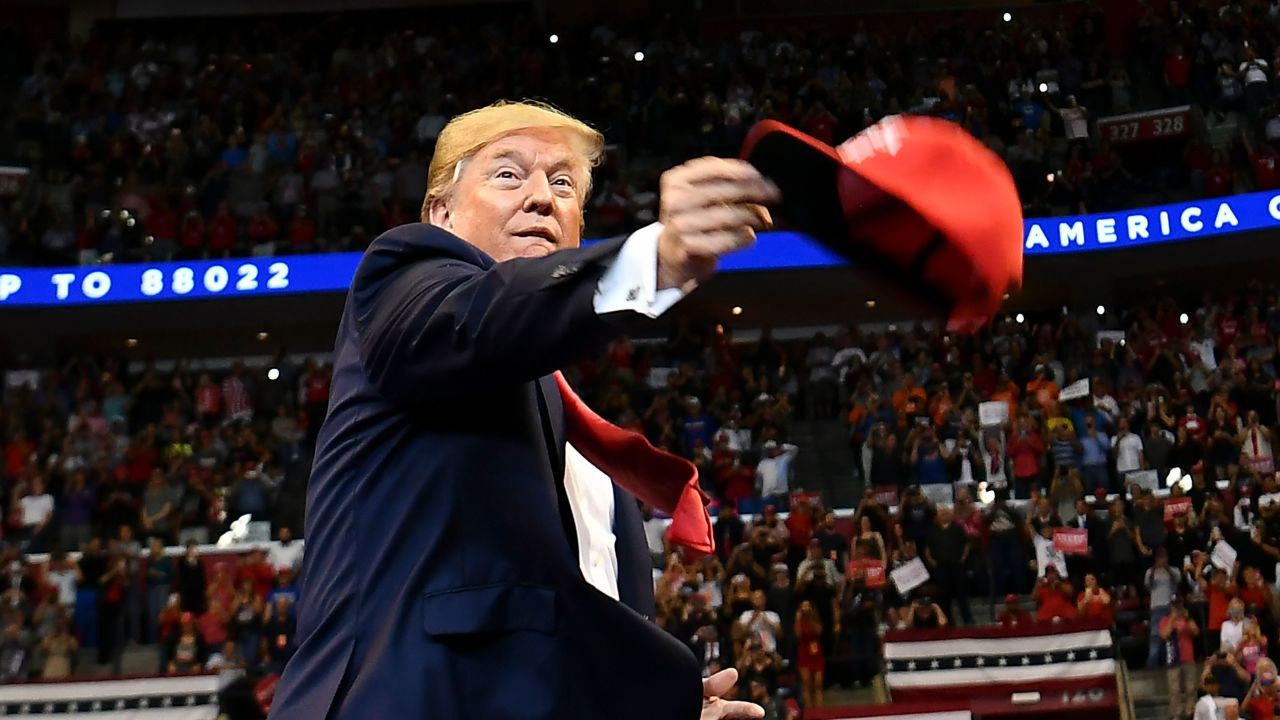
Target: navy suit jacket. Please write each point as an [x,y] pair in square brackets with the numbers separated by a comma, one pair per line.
[441,577]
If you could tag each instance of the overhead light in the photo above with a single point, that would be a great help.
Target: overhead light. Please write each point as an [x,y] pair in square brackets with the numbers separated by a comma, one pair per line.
[273,374]
[1184,318]
[1020,318]
[639,56]
[737,309]
[1044,87]
[262,335]
[1102,309]
[871,303]
[553,39]
[1005,296]
[1049,177]
[1008,17]
[893,328]
[131,342]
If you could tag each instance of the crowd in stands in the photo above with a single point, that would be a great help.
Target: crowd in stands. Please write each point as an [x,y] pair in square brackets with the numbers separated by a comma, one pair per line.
[107,458]
[1163,458]
[155,141]
[316,137]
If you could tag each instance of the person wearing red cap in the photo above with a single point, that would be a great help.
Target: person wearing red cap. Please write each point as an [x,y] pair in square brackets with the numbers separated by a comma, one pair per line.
[1012,614]
[465,564]
[1055,599]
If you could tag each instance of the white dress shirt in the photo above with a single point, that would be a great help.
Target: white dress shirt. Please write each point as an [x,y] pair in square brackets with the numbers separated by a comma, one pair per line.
[630,283]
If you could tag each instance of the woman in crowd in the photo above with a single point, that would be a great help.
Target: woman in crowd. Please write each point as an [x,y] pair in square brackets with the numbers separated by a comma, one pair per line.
[810,658]
[1094,602]
[60,651]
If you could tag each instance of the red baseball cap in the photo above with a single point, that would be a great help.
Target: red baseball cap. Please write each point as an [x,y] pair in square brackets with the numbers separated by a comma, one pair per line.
[916,200]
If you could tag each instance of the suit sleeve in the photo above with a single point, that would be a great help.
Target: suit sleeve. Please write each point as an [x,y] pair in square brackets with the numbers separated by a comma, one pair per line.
[442,327]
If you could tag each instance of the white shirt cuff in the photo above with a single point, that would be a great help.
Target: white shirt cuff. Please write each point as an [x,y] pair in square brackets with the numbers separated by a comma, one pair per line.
[631,283]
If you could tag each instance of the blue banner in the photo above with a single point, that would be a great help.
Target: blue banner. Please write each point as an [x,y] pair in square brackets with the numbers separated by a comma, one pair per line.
[248,277]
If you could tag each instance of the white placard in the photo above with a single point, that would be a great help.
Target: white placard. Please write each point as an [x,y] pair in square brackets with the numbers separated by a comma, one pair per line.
[1047,554]
[993,414]
[1224,556]
[1115,336]
[658,377]
[1075,390]
[910,576]
[1145,479]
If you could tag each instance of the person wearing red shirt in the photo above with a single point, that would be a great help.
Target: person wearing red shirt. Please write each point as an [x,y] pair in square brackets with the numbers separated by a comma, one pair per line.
[208,401]
[1026,447]
[1256,593]
[1177,74]
[263,228]
[1266,167]
[302,232]
[1218,181]
[1179,631]
[800,525]
[1195,425]
[1012,614]
[162,225]
[1220,593]
[869,569]
[1094,602]
[17,454]
[224,230]
[985,377]
[1055,598]
[1260,703]
[1228,329]
[255,568]
[818,122]
[739,482]
[192,240]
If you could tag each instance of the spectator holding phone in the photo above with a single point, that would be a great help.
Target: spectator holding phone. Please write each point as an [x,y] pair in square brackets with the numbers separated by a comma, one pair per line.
[1260,702]
[1178,633]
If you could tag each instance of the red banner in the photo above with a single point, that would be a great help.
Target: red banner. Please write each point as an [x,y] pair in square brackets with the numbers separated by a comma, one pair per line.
[801,496]
[265,691]
[872,571]
[1173,507]
[886,495]
[1141,127]
[1071,541]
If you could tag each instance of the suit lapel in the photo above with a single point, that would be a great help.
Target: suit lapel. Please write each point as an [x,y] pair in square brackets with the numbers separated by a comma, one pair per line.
[553,414]
[551,409]
[635,567]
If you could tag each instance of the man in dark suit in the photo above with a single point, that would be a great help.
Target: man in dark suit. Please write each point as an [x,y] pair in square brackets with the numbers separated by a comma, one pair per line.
[1096,529]
[467,557]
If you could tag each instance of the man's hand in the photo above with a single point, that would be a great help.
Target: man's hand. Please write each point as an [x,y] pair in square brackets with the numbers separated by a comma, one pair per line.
[716,708]
[709,207]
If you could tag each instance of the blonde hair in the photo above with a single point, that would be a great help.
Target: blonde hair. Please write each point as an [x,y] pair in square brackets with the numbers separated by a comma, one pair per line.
[468,133]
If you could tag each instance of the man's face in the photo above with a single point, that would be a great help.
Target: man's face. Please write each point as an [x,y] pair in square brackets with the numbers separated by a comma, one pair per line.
[519,196]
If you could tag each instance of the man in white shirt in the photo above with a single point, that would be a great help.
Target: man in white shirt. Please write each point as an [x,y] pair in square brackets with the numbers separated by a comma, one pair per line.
[37,512]
[773,472]
[1211,705]
[762,623]
[285,554]
[1128,448]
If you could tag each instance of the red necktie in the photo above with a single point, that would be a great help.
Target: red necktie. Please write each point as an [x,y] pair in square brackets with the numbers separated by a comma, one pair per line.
[665,481]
